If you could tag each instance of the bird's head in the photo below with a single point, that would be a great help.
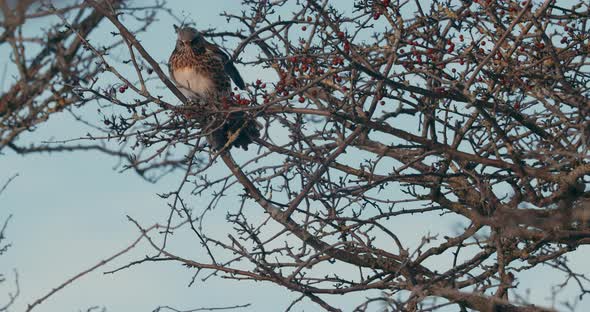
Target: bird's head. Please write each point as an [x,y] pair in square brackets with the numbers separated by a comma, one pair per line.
[187,37]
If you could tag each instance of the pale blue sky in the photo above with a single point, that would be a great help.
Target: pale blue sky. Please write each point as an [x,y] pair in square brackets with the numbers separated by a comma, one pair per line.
[69,212]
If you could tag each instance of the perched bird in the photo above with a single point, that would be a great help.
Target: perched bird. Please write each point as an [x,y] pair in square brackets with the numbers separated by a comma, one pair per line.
[202,71]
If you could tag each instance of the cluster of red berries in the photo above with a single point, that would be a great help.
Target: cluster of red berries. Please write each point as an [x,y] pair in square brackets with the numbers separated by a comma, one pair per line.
[379,11]
[303,64]
[284,84]
[570,31]
[123,88]
[235,99]
[241,101]
[346,44]
[337,60]
[259,84]
[451,46]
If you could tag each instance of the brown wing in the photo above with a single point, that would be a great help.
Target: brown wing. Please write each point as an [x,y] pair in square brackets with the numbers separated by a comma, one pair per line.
[228,66]
[170,65]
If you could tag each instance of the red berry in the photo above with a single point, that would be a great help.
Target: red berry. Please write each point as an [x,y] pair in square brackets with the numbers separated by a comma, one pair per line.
[340,35]
[301,99]
[346,47]
[451,48]
[258,82]
[122,89]
[376,15]
[304,28]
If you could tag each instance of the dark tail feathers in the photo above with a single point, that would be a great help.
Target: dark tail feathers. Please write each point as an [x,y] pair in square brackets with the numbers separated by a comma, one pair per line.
[238,121]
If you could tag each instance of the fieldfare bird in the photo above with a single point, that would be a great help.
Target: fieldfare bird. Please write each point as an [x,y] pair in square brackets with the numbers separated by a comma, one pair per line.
[202,72]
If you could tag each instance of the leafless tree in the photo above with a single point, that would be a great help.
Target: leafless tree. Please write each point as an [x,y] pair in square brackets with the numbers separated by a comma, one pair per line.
[476,111]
